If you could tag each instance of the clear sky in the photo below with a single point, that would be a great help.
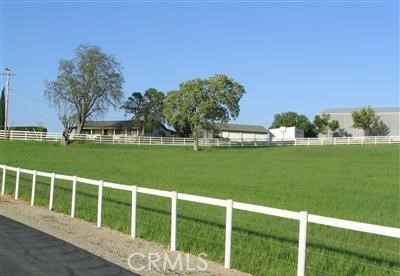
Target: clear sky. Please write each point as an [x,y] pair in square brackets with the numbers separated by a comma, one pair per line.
[301,56]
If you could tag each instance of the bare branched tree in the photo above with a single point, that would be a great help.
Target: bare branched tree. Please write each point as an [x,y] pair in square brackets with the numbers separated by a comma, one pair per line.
[88,84]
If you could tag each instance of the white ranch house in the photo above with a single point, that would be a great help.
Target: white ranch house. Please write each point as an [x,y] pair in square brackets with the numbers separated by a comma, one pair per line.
[124,127]
[234,132]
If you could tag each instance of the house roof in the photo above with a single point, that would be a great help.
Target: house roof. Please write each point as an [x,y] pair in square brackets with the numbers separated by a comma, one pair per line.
[243,128]
[109,124]
[349,110]
[115,124]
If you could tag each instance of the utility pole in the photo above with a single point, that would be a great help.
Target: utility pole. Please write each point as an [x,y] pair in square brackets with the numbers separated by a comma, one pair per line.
[7,89]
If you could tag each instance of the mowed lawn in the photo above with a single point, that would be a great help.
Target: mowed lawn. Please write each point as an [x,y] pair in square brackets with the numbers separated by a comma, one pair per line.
[351,182]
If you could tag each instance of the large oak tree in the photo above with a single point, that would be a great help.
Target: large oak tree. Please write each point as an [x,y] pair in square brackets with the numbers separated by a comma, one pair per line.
[202,104]
[86,86]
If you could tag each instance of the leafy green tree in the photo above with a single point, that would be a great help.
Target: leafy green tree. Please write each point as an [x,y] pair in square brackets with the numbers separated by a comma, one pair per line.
[146,109]
[2,108]
[87,85]
[333,126]
[365,119]
[182,130]
[135,105]
[321,123]
[201,104]
[290,119]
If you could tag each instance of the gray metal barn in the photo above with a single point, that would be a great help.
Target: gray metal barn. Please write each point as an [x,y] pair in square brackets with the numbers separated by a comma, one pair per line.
[389,115]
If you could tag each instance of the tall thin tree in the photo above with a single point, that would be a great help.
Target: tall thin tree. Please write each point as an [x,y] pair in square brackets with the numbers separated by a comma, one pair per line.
[2,108]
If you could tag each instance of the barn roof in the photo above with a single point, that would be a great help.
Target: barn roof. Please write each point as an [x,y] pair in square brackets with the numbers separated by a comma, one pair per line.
[109,124]
[349,110]
[243,128]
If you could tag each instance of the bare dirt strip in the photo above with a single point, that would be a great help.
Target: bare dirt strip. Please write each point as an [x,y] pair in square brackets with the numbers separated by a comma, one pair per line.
[108,244]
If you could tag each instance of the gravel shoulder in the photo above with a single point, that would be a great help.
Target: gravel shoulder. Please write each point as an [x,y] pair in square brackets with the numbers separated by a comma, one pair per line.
[109,244]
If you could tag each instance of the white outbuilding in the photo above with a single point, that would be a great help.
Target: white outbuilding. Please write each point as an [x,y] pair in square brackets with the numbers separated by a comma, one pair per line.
[285,133]
[240,132]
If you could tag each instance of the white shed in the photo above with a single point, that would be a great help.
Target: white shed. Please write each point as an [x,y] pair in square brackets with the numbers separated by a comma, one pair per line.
[285,133]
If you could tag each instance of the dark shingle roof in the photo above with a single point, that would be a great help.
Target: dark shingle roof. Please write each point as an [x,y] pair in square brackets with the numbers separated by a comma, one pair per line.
[243,128]
[115,124]
[130,124]
[109,124]
[349,110]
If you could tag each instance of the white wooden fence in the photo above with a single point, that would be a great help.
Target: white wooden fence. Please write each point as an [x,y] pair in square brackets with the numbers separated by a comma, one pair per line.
[179,141]
[303,216]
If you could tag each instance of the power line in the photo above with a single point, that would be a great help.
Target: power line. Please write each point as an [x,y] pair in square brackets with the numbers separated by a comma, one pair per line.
[29,97]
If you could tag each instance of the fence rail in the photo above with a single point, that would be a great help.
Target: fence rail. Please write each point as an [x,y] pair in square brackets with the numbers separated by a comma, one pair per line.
[215,142]
[303,216]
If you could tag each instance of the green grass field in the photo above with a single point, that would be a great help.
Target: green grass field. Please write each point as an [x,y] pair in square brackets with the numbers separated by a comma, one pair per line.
[351,182]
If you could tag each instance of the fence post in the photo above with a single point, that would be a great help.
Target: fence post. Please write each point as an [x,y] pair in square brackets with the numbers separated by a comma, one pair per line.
[51,191]
[17,183]
[375,140]
[33,188]
[308,141]
[334,141]
[348,141]
[174,203]
[3,181]
[73,196]
[99,203]
[228,233]
[362,141]
[133,212]
[295,141]
[301,257]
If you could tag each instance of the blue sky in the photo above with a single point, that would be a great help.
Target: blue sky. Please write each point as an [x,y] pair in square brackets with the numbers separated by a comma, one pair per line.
[301,56]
